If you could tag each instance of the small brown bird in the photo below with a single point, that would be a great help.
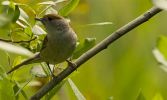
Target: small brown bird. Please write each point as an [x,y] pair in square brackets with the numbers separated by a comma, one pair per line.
[58,45]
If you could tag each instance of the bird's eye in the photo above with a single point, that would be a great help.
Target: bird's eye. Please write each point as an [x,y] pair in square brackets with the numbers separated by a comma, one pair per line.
[49,18]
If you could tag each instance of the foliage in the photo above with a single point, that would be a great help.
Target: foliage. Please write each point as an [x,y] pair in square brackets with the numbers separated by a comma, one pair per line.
[117,73]
[22,28]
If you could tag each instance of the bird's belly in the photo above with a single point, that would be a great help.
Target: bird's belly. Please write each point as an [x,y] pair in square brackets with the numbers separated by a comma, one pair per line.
[58,51]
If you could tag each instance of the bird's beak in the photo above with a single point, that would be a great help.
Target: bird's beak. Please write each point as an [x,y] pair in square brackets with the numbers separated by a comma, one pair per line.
[39,19]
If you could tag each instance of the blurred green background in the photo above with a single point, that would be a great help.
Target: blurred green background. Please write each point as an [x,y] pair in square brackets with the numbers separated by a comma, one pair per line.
[127,66]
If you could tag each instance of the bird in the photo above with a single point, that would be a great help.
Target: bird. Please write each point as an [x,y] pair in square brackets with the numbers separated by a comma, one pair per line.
[58,45]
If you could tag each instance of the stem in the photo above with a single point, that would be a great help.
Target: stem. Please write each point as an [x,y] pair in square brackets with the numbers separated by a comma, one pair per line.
[18,41]
[99,47]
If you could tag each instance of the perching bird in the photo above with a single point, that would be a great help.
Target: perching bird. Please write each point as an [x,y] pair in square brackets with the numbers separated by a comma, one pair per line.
[58,45]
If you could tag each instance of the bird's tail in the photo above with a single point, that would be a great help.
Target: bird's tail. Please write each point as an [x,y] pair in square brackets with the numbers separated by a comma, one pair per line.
[30,60]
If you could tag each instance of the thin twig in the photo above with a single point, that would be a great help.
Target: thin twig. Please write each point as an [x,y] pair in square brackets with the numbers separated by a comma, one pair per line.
[92,52]
[18,41]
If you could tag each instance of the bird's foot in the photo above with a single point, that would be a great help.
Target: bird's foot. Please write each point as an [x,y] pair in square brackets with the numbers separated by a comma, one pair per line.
[51,70]
[71,64]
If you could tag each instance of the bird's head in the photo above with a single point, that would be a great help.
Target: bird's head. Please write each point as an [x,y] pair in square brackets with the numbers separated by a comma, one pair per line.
[53,21]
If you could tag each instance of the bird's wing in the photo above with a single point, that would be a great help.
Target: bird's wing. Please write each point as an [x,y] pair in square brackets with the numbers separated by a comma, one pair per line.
[44,43]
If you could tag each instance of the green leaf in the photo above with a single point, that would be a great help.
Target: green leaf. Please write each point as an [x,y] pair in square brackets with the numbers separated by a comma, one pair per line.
[100,24]
[59,1]
[14,49]
[68,8]
[21,24]
[19,89]
[22,19]
[51,93]
[158,96]
[38,71]
[12,5]
[13,11]
[47,3]
[84,46]
[140,96]
[37,30]
[51,10]
[16,14]
[28,31]
[51,2]
[111,98]
[16,88]
[162,45]
[23,14]
[160,58]
[2,73]
[6,90]
[4,20]
[11,15]
[17,60]
[76,91]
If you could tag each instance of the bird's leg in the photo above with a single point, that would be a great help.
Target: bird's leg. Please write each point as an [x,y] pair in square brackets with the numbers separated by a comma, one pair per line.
[70,63]
[50,70]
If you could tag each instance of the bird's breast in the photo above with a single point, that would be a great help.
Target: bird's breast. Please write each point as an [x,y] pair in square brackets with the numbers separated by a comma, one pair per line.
[59,47]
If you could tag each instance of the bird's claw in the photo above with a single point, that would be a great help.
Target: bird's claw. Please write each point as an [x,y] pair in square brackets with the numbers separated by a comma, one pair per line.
[71,64]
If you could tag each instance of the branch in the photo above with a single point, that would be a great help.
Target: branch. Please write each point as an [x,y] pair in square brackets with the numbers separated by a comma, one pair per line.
[18,41]
[92,52]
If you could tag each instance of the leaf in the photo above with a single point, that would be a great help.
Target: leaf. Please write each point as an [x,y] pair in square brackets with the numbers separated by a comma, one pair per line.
[12,15]
[160,52]
[111,98]
[21,24]
[23,14]
[68,8]
[38,71]
[160,58]
[76,91]
[6,90]
[54,90]
[14,49]
[4,20]
[140,96]
[19,89]
[100,24]
[24,20]
[158,96]
[16,88]
[84,46]
[13,11]
[16,14]
[17,60]
[51,2]
[35,83]
[160,3]
[59,1]
[47,3]
[28,7]
[162,45]
[12,5]
[51,10]
[5,3]
[37,30]
[2,73]
[28,31]
[42,71]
